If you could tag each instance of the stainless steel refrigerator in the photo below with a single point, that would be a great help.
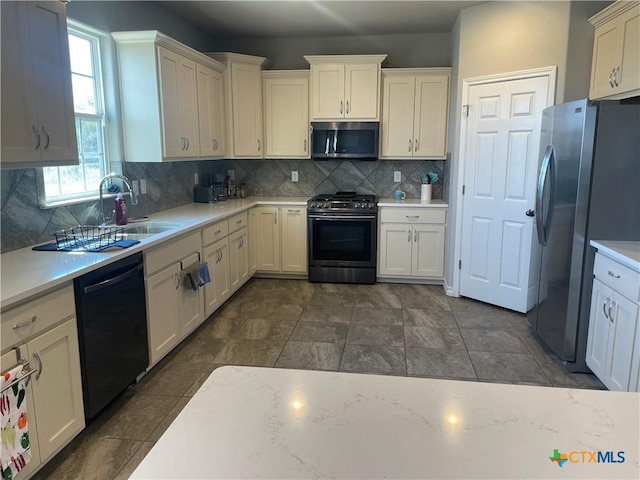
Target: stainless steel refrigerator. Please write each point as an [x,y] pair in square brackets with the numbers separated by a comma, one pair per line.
[588,189]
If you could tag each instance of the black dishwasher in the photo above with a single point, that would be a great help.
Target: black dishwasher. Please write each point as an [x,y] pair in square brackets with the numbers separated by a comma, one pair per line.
[112,330]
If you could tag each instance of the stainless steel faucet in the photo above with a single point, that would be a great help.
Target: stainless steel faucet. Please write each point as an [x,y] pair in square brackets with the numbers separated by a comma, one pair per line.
[125,180]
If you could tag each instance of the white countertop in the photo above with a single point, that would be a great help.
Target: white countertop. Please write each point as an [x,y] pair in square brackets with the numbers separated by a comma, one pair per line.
[251,422]
[627,253]
[25,272]
[411,203]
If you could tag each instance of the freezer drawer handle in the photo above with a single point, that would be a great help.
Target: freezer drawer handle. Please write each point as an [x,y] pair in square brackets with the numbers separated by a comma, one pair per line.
[611,274]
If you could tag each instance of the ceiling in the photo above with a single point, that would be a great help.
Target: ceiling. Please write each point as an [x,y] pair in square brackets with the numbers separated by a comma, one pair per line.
[317,18]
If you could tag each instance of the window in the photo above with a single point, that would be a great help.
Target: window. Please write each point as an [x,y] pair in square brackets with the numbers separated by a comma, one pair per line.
[64,184]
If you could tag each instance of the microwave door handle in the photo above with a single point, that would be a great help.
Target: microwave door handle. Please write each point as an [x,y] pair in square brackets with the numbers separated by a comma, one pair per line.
[327,143]
[335,142]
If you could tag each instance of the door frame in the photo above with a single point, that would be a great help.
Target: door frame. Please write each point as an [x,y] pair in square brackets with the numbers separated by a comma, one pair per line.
[550,73]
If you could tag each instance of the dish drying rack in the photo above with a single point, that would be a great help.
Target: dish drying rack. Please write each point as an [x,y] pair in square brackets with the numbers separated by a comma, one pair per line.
[87,237]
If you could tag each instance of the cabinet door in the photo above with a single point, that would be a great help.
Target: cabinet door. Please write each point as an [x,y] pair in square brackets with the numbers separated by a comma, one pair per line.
[210,112]
[191,306]
[294,240]
[395,249]
[628,77]
[286,117]
[398,103]
[598,335]
[57,392]
[430,116]
[428,250]
[247,110]
[634,377]
[327,91]
[238,259]
[620,346]
[361,91]
[268,245]
[163,321]
[218,290]
[253,241]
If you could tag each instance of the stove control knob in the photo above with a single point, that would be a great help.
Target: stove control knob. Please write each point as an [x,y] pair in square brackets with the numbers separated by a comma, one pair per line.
[370,205]
[357,205]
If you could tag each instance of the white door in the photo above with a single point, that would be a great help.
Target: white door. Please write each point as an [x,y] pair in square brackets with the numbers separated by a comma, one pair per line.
[501,163]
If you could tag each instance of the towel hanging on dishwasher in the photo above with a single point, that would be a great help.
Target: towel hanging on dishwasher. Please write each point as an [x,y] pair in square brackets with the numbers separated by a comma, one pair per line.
[16,449]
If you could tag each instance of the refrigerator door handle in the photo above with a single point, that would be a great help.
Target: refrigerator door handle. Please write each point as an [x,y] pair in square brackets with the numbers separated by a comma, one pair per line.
[541,225]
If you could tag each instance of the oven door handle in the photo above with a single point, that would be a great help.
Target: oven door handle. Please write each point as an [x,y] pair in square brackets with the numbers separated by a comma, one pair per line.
[343,217]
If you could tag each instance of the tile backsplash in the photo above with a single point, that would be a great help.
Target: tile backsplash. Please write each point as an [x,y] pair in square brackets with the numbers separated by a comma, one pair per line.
[24,223]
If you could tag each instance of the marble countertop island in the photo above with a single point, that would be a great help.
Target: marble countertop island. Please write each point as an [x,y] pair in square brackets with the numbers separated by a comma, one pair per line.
[251,422]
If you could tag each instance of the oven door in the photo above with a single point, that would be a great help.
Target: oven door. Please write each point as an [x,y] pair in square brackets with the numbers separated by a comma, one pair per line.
[342,240]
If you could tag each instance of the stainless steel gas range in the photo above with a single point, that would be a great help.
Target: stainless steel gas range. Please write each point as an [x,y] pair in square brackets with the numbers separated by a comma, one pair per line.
[342,238]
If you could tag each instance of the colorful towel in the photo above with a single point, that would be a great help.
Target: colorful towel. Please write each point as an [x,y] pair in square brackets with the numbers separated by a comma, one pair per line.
[16,451]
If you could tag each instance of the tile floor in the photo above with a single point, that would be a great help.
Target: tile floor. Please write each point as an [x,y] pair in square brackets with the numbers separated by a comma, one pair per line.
[389,329]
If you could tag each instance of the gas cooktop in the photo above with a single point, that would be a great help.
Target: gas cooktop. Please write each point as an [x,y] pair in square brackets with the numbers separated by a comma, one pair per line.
[342,202]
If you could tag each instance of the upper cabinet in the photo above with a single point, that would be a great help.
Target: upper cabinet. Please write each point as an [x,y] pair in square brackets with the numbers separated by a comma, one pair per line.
[415,106]
[243,93]
[172,105]
[38,122]
[286,113]
[615,70]
[345,87]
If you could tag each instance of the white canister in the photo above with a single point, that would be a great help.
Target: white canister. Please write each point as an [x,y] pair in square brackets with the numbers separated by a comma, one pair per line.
[425,193]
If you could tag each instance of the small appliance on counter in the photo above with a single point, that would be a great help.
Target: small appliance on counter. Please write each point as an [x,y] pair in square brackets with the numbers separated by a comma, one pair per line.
[204,194]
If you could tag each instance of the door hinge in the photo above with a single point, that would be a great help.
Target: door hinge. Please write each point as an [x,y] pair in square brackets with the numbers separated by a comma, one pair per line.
[465,110]
[459,264]
[463,189]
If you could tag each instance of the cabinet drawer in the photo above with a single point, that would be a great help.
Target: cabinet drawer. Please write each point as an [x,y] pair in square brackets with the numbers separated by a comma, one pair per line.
[619,277]
[36,316]
[171,252]
[215,232]
[412,215]
[238,221]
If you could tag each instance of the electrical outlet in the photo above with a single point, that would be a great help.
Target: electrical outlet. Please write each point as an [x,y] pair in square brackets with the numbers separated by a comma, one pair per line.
[294,176]
[143,186]
[232,174]
[397,176]
[135,187]
[196,178]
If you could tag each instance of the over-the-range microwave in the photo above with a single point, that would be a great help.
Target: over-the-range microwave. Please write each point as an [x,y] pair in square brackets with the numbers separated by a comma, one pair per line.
[357,140]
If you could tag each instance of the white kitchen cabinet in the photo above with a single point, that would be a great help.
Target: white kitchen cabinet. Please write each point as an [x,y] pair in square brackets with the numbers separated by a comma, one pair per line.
[615,68]
[283,239]
[415,106]
[238,259]
[243,104]
[167,89]
[345,87]
[411,243]
[286,113]
[173,308]
[45,332]
[210,112]
[216,254]
[253,241]
[38,121]
[613,323]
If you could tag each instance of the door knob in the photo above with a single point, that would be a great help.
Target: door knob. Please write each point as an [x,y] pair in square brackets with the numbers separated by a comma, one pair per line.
[530,213]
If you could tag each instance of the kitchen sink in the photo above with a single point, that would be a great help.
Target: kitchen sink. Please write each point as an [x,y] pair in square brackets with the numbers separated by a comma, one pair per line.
[149,228]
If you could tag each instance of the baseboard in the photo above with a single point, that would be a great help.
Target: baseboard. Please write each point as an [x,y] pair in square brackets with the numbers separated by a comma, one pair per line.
[448,289]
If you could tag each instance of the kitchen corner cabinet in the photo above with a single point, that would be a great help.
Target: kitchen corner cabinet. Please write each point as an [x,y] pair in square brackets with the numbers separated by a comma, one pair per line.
[615,68]
[286,113]
[171,99]
[174,309]
[613,339]
[345,87]
[38,121]
[415,106]
[45,332]
[283,240]
[238,251]
[243,104]
[216,253]
[411,243]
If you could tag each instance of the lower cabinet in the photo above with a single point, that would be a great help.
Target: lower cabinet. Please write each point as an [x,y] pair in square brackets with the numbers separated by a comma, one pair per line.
[174,309]
[238,259]
[219,289]
[282,239]
[44,331]
[411,243]
[613,337]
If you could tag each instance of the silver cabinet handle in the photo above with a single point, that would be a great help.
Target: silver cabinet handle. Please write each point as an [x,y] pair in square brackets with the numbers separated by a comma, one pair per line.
[188,144]
[412,217]
[183,142]
[305,145]
[238,222]
[258,144]
[44,130]
[341,105]
[294,211]
[415,235]
[410,145]
[612,304]
[616,71]
[18,326]
[39,362]
[347,106]
[275,219]
[611,78]
[217,232]
[604,305]
[416,145]
[37,133]
[612,274]
[409,235]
